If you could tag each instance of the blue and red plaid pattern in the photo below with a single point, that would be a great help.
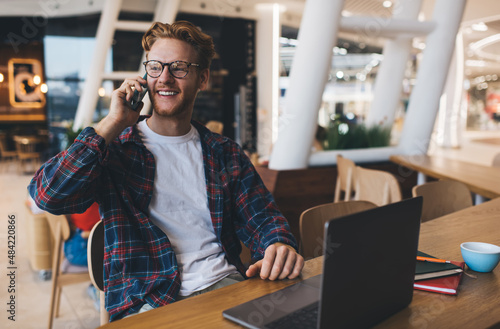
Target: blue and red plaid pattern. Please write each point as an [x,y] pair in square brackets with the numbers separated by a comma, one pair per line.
[139,263]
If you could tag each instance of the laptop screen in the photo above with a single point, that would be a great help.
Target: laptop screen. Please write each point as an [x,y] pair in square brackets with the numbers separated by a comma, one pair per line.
[370,263]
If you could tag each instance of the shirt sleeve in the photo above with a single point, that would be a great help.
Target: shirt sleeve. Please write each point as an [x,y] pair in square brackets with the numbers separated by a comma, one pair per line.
[259,221]
[68,182]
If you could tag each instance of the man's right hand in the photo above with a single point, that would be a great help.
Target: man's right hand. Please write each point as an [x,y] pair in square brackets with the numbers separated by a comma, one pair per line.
[121,115]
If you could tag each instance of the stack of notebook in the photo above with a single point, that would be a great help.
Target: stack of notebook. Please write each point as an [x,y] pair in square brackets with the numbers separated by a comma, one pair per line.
[438,276]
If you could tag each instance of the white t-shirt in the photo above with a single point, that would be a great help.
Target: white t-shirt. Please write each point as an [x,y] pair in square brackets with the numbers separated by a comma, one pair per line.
[180,208]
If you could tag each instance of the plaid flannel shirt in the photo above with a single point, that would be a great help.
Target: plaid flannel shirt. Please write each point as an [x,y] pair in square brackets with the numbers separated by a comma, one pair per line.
[139,263]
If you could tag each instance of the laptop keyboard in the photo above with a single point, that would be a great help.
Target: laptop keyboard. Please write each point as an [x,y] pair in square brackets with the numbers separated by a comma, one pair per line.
[303,318]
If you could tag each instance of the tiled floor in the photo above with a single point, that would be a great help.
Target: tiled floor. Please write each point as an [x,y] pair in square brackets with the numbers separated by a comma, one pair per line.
[77,309]
[32,294]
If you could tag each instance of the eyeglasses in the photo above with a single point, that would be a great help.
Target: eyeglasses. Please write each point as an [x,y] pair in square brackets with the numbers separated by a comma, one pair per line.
[178,69]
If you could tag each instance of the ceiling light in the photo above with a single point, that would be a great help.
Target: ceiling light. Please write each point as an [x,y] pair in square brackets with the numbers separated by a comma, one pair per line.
[360,76]
[478,47]
[480,27]
[387,4]
[485,42]
[418,44]
[475,63]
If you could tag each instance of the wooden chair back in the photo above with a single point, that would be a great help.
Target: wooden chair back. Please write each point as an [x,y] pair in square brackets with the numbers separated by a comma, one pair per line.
[26,152]
[215,126]
[442,197]
[245,255]
[345,178]
[95,256]
[6,156]
[312,223]
[4,150]
[377,186]
[25,144]
[59,227]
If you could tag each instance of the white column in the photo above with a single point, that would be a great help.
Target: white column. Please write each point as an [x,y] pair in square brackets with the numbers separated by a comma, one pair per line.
[104,38]
[268,32]
[388,84]
[452,115]
[431,77]
[308,76]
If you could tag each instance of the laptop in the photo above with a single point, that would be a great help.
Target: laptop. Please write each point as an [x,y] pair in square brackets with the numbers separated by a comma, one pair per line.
[368,273]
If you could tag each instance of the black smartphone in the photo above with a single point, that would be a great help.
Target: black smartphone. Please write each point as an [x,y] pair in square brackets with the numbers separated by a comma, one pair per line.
[138,96]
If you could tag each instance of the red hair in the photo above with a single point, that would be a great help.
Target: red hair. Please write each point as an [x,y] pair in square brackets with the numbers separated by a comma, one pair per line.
[184,31]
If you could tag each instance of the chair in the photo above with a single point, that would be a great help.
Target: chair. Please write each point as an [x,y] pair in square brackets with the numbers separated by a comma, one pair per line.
[5,154]
[377,186]
[442,197]
[496,161]
[60,230]
[345,178]
[26,153]
[245,255]
[95,256]
[215,126]
[312,223]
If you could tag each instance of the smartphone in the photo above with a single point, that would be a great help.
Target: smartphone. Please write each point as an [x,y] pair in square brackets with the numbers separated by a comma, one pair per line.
[138,96]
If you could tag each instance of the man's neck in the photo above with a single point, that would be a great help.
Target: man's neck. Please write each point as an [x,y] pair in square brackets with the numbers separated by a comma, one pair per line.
[168,126]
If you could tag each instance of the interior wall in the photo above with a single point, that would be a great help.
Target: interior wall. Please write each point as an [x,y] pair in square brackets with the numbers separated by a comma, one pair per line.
[20,39]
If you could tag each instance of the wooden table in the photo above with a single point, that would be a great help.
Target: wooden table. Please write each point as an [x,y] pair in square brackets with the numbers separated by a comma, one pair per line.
[482,180]
[476,306]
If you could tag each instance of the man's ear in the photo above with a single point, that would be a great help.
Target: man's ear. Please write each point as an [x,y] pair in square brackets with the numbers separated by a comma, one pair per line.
[204,77]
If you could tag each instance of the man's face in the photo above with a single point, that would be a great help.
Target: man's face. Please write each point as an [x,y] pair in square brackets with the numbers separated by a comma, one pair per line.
[172,97]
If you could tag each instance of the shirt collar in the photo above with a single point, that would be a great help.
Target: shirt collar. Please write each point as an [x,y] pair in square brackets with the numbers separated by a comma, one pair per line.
[131,134]
[215,142]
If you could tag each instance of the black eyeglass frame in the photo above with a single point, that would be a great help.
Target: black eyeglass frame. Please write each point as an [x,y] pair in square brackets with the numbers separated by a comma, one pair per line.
[169,68]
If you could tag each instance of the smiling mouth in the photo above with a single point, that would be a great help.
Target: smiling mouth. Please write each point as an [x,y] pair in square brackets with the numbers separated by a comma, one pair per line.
[167,93]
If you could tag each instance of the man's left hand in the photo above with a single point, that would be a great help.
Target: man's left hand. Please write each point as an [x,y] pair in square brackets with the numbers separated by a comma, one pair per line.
[280,261]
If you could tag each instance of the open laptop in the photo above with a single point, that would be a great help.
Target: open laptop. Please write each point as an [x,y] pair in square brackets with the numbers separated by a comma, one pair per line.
[368,271]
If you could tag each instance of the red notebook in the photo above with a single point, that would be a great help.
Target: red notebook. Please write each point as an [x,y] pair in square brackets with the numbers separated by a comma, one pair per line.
[445,285]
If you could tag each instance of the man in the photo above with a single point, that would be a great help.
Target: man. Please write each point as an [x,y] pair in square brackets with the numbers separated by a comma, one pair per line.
[175,198]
